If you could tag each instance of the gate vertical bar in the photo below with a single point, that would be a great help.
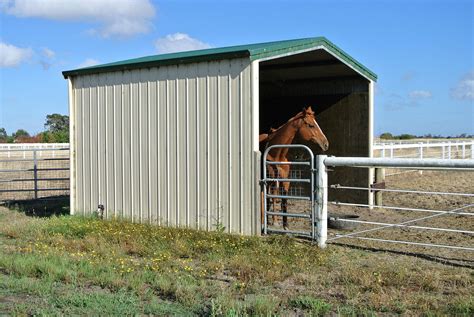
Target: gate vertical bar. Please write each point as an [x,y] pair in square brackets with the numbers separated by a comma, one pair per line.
[313,205]
[35,174]
[322,198]
[265,193]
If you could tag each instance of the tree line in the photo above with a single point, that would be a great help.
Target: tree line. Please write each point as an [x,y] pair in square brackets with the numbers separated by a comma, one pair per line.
[405,136]
[56,131]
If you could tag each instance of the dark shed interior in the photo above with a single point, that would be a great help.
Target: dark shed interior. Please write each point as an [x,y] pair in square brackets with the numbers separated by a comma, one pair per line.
[340,98]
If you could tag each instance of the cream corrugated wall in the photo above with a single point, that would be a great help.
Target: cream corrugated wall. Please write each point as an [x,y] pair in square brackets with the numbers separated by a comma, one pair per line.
[168,145]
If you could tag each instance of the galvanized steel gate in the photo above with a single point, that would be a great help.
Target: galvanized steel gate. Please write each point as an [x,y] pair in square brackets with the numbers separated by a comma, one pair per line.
[298,202]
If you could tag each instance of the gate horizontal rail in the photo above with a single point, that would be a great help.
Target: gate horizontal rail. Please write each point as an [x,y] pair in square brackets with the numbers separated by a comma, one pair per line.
[407,191]
[36,160]
[399,163]
[431,164]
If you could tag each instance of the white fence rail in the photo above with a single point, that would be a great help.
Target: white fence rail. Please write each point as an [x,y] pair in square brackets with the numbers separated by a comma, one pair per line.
[441,149]
[10,150]
[436,149]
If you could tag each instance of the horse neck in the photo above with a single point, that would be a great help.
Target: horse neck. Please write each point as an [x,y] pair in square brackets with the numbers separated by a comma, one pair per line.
[284,135]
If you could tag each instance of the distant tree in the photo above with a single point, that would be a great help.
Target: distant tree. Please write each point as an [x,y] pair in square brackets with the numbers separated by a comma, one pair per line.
[20,133]
[406,136]
[57,137]
[57,129]
[3,135]
[56,123]
[28,139]
[386,136]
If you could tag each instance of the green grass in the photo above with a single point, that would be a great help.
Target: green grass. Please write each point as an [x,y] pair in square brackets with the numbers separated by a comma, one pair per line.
[87,266]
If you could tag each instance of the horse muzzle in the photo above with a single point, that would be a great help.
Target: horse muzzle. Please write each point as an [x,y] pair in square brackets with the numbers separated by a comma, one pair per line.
[323,144]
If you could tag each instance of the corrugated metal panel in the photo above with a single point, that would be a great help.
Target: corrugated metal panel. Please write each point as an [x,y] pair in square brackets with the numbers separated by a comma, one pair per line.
[169,145]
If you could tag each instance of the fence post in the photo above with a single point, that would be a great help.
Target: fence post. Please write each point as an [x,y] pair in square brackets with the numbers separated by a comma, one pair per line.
[472,150]
[449,150]
[442,152]
[35,174]
[321,201]
[379,178]
[391,150]
[463,150]
[420,152]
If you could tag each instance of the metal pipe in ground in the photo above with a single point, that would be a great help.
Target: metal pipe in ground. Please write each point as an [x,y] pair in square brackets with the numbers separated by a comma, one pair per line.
[379,178]
[321,201]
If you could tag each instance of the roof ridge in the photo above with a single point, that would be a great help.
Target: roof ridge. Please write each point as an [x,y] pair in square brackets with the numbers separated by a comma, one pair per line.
[254,51]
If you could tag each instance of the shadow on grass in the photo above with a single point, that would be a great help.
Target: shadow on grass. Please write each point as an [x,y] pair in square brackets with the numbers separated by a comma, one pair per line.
[454,262]
[42,207]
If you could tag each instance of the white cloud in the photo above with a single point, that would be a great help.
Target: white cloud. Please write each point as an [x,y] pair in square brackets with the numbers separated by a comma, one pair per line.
[11,55]
[420,94]
[48,53]
[178,42]
[464,89]
[115,17]
[88,63]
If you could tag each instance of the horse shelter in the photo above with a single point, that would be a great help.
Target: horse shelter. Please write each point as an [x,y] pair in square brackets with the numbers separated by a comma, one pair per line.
[173,139]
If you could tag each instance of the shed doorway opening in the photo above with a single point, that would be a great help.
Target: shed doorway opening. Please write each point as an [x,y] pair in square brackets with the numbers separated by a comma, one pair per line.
[338,95]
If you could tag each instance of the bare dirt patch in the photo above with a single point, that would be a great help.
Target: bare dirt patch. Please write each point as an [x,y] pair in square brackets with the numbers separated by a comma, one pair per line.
[434,181]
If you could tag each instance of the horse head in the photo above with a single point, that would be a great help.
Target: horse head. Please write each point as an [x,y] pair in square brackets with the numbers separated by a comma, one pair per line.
[310,131]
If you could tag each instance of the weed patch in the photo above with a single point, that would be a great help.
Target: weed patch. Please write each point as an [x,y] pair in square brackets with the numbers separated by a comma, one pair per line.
[87,266]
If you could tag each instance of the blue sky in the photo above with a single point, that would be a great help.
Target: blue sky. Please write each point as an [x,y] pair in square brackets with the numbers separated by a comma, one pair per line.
[422,51]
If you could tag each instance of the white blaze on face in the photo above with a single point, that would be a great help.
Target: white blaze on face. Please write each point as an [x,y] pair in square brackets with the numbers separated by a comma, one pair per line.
[318,127]
[316,124]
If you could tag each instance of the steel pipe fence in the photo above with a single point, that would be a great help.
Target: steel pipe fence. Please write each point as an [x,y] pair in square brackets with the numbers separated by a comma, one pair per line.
[318,202]
[424,164]
[28,172]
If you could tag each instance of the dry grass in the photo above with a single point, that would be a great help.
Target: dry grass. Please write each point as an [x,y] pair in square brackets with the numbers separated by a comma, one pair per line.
[73,265]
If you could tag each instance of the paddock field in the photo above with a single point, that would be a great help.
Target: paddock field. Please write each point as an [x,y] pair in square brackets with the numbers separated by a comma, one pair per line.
[73,265]
[435,181]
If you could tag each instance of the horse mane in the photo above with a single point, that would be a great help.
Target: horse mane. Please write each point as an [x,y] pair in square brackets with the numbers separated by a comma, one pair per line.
[272,134]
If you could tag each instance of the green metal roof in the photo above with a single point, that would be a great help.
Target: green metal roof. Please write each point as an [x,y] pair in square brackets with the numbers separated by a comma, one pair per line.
[253,51]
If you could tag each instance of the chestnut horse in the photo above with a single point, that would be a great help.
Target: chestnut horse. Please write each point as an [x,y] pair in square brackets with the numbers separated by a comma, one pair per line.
[302,126]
